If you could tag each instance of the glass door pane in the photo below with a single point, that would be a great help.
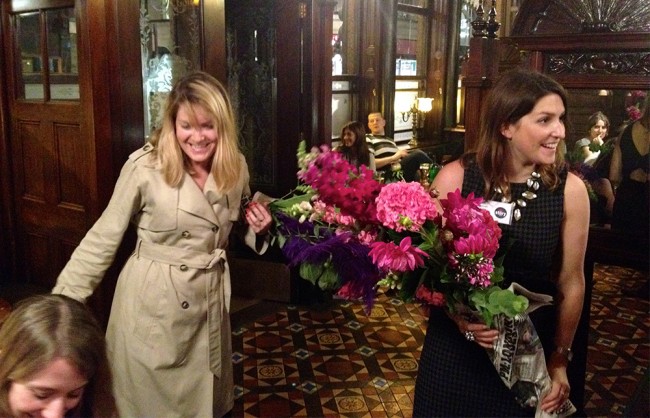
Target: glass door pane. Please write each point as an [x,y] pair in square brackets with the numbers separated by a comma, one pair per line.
[411,53]
[61,38]
[29,49]
[48,60]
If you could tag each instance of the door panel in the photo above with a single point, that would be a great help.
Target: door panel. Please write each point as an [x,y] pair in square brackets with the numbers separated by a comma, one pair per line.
[50,191]
[50,157]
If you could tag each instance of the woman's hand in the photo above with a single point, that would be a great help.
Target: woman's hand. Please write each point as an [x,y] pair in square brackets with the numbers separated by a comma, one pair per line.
[258,217]
[560,388]
[476,331]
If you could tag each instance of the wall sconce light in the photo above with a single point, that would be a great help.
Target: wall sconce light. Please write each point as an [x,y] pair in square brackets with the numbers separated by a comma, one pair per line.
[416,111]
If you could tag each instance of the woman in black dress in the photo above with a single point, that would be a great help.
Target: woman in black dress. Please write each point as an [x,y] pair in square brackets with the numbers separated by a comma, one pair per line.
[521,128]
[630,172]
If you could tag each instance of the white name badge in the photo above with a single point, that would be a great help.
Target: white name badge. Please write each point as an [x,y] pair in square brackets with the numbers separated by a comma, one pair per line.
[500,211]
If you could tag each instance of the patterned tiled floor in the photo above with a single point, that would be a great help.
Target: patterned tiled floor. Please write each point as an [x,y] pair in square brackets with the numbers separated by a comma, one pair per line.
[619,343]
[335,360]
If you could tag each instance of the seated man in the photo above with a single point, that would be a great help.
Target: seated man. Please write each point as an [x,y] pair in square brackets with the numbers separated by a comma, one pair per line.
[386,151]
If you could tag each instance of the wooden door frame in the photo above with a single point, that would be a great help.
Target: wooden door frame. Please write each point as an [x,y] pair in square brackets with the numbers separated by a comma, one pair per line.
[7,241]
[114,122]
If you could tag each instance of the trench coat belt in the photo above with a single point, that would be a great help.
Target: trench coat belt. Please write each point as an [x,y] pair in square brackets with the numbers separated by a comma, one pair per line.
[217,287]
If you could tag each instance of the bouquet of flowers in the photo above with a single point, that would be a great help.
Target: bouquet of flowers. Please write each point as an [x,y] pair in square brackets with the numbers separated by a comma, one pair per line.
[349,233]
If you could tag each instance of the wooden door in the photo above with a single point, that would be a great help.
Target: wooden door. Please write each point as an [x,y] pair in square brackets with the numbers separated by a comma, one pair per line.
[49,151]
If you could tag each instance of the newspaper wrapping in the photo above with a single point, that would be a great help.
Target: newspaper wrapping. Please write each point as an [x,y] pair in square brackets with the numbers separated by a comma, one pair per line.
[518,356]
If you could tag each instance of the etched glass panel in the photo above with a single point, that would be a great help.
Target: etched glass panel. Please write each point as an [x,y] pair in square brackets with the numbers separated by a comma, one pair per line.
[170,40]
[252,84]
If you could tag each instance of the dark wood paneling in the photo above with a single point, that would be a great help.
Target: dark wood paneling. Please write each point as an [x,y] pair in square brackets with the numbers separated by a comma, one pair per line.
[321,70]
[70,152]
[291,124]
[214,38]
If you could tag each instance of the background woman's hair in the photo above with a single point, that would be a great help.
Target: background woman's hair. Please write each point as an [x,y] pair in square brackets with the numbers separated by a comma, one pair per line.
[594,118]
[359,150]
[44,327]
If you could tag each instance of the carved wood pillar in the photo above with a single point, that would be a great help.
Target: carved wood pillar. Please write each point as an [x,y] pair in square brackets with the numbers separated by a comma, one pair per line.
[322,71]
[482,68]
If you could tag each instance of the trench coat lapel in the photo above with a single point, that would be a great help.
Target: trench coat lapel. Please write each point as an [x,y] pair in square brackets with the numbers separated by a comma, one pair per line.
[192,200]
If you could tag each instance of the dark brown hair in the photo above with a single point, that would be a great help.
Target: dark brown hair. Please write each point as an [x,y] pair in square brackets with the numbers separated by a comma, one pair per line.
[513,96]
[358,153]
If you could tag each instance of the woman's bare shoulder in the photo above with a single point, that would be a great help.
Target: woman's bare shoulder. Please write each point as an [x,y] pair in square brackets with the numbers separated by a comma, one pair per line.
[450,177]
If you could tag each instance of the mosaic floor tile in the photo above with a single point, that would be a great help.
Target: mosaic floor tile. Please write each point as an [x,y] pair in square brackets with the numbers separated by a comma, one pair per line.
[342,362]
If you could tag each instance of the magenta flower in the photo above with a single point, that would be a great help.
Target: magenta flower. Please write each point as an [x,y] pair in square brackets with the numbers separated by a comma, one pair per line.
[633,113]
[474,230]
[390,257]
[353,190]
[403,206]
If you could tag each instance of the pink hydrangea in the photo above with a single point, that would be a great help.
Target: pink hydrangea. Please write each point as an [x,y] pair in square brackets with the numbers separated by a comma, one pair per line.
[405,206]
[390,257]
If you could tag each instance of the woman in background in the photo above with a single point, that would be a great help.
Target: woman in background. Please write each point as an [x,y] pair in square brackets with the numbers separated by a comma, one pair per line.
[595,155]
[354,146]
[53,361]
[589,147]
[630,173]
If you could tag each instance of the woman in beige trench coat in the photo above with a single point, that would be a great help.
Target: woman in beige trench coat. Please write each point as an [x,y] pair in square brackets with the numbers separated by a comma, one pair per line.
[169,333]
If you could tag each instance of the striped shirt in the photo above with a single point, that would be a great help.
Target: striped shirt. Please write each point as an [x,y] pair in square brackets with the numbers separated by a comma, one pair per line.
[381,146]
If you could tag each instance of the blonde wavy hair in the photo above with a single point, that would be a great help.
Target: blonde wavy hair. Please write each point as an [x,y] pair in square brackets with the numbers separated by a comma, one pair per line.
[513,96]
[199,89]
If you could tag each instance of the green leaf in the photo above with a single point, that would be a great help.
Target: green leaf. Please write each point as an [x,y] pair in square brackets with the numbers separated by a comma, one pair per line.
[329,280]
[323,276]
[494,301]
[286,203]
[310,272]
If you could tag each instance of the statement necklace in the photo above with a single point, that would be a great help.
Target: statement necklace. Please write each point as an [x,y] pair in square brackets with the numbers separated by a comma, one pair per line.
[532,185]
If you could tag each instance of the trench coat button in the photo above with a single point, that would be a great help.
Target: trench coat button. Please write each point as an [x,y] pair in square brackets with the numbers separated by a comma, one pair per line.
[185,305]
[183,267]
[215,228]
[186,234]
[147,147]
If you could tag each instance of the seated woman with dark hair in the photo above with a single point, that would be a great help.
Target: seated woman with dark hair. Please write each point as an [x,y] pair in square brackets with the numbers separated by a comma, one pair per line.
[590,160]
[354,146]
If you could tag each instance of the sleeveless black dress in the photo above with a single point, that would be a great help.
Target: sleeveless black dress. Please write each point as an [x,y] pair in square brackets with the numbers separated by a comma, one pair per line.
[455,376]
[632,203]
